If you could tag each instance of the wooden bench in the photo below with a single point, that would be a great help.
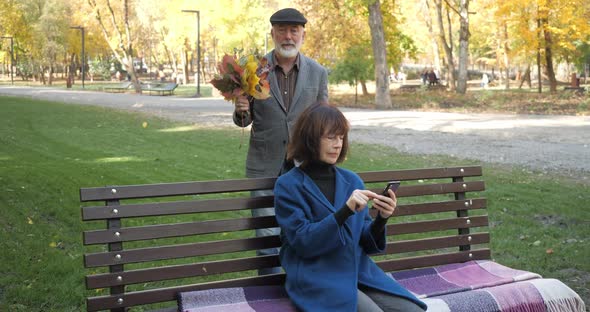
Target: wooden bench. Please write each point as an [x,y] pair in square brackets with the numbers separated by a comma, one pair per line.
[122,87]
[575,90]
[413,88]
[164,239]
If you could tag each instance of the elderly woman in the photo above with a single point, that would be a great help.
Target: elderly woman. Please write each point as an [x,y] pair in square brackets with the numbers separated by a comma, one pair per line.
[326,230]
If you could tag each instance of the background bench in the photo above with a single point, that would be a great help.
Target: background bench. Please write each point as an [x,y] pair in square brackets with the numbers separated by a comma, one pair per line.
[122,87]
[159,88]
[154,247]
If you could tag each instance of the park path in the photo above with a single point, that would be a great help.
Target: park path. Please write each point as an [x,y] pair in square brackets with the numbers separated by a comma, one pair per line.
[547,143]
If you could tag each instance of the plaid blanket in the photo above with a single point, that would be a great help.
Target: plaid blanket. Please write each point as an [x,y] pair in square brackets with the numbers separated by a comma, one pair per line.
[459,277]
[463,287]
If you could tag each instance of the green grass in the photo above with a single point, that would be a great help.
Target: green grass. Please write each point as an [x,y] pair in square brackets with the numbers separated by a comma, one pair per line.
[50,150]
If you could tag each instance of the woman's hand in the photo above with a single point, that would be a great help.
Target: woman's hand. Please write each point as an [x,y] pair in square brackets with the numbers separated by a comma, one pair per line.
[385,204]
[359,199]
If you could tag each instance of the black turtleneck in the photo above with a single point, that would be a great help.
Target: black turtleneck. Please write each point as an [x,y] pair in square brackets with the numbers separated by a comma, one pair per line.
[324,176]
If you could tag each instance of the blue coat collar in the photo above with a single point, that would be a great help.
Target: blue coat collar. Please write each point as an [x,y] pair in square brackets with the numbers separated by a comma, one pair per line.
[341,190]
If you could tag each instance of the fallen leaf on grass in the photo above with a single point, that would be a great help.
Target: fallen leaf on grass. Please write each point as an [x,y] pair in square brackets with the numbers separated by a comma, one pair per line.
[29,220]
[549,251]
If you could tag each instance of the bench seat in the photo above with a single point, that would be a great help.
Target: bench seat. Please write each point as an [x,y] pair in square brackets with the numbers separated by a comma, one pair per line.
[471,286]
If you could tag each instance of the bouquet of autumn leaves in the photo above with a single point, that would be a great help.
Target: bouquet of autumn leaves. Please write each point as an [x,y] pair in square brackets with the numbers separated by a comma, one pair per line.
[246,75]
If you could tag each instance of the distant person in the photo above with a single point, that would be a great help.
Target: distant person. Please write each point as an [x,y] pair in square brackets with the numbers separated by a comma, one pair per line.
[424,77]
[431,78]
[326,230]
[296,82]
[485,80]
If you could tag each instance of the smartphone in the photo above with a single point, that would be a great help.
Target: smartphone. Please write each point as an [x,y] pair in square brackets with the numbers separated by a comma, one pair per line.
[392,185]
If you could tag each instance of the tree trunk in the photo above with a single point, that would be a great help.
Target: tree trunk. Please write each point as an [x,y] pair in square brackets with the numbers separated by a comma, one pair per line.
[356,91]
[463,46]
[539,77]
[506,49]
[447,48]
[131,72]
[42,75]
[549,56]
[71,70]
[50,79]
[364,87]
[382,96]
[526,77]
[434,44]
[183,60]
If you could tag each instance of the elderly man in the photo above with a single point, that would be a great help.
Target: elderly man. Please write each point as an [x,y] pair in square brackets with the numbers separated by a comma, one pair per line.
[296,82]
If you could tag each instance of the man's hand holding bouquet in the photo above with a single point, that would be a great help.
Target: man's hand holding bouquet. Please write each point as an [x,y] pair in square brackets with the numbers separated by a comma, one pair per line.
[242,77]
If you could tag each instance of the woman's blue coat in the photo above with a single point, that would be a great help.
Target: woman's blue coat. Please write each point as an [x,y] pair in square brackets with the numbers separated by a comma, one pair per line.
[325,262]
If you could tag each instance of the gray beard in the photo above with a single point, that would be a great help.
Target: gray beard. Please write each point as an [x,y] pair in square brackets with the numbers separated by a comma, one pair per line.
[287,53]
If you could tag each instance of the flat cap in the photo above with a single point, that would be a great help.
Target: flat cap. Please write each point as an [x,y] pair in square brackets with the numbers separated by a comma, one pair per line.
[288,16]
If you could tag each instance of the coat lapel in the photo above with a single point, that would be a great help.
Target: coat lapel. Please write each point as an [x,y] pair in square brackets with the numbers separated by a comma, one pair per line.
[342,190]
[301,78]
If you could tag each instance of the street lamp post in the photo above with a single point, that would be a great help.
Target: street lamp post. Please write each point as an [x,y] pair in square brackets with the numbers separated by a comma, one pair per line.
[11,58]
[198,49]
[83,54]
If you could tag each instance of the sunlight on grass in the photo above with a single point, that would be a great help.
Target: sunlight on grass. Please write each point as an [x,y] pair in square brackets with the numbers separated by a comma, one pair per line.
[5,158]
[118,159]
[181,129]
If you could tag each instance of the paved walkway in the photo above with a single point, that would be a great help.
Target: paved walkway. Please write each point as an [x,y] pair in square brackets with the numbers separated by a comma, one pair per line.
[541,142]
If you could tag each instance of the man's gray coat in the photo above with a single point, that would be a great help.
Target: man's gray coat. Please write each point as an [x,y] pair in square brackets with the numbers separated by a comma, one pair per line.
[271,123]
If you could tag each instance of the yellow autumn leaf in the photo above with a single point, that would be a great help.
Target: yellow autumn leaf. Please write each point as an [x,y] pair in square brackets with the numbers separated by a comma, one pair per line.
[144,124]
[52,245]
[29,220]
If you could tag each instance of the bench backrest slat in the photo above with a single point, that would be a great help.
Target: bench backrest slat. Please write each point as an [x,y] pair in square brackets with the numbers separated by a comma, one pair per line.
[437,225]
[175,208]
[174,189]
[179,251]
[177,229]
[436,243]
[171,237]
[433,260]
[180,271]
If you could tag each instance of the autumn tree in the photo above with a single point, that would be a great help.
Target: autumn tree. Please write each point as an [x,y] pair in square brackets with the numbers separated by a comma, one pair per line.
[50,33]
[356,66]
[547,28]
[114,20]
[12,24]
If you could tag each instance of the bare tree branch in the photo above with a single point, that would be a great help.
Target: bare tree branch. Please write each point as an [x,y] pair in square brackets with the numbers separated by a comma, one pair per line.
[105,33]
[114,22]
[450,6]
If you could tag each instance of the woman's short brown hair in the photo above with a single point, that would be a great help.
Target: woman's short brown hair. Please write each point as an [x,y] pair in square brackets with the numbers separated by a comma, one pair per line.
[313,123]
